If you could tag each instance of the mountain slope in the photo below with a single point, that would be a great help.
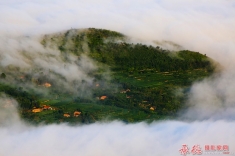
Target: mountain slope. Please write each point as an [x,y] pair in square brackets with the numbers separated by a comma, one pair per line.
[131,82]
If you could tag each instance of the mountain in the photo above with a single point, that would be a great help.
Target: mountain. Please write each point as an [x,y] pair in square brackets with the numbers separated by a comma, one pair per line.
[96,74]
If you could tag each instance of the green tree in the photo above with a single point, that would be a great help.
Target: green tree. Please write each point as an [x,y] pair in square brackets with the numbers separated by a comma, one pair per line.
[3,75]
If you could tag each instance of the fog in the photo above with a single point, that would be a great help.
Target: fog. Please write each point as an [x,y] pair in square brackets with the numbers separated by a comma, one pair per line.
[28,64]
[102,138]
[203,26]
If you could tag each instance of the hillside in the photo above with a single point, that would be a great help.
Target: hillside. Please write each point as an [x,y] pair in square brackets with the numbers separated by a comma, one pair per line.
[131,82]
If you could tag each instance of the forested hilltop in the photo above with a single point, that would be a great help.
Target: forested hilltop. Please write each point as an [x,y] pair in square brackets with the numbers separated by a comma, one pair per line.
[111,48]
[144,83]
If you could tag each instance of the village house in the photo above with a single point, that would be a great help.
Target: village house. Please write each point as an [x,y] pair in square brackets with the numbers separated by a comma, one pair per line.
[45,107]
[36,110]
[76,113]
[152,108]
[66,115]
[47,85]
[103,97]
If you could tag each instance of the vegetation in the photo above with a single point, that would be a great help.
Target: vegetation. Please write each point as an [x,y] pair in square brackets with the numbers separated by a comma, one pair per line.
[151,83]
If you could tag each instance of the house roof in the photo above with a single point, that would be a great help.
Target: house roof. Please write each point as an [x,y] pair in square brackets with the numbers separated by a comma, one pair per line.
[103,97]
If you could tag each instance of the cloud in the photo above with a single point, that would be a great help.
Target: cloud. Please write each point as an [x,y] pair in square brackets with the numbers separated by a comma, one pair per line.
[204,26]
[213,98]
[22,56]
[201,26]
[114,138]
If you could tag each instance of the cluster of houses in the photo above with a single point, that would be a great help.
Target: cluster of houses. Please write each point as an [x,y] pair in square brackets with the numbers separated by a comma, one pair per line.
[44,107]
[75,114]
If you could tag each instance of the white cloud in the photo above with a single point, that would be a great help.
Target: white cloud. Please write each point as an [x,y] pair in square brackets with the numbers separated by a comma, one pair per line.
[114,138]
[204,26]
